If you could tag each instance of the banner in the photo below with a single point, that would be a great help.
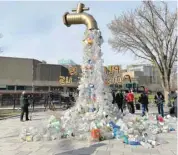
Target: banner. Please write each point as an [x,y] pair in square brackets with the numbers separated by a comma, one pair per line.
[114,80]
[113,74]
[65,80]
[73,70]
[112,69]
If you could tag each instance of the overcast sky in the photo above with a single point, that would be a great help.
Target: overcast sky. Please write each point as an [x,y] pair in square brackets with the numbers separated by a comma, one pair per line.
[36,30]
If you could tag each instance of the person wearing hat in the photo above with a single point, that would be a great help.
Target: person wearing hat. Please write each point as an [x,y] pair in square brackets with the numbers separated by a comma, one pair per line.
[24,104]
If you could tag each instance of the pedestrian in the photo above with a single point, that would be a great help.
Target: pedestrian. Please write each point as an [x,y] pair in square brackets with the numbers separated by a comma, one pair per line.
[130,102]
[114,97]
[144,101]
[146,93]
[51,101]
[171,98]
[46,102]
[24,104]
[119,100]
[173,109]
[175,104]
[159,98]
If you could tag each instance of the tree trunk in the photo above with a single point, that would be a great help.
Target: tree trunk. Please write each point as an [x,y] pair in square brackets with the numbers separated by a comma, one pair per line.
[166,87]
[166,96]
[166,84]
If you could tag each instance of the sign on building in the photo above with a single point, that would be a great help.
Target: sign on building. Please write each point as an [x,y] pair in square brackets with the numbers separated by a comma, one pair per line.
[73,70]
[112,69]
[65,80]
[113,74]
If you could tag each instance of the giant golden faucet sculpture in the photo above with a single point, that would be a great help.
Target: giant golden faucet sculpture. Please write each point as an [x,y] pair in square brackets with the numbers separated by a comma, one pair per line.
[80,17]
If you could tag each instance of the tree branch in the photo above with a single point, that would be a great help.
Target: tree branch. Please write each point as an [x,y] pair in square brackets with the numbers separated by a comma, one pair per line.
[150,34]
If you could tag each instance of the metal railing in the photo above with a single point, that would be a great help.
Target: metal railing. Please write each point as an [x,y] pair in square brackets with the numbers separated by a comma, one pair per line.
[36,99]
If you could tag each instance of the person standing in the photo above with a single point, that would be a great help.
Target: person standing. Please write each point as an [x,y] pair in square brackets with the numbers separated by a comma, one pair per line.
[24,104]
[144,101]
[51,101]
[159,98]
[175,104]
[119,100]
[130,102]
[146,93]
[46,101]
[173,109]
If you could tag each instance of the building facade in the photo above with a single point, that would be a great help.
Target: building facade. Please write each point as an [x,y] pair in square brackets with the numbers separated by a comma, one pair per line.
[146,75]
[17,74]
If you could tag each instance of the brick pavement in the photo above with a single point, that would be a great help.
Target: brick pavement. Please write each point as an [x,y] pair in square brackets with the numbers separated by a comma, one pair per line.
[11,145]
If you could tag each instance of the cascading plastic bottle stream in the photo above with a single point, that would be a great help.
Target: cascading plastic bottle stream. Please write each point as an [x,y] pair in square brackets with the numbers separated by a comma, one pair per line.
[92,82]
[95,98]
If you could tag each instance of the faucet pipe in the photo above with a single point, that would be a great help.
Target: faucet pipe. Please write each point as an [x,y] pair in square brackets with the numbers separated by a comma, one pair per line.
[80,18]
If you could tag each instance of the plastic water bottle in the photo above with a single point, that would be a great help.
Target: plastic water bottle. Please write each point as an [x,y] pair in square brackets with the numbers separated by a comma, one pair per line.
[125,138]
[134,143]
[145,145]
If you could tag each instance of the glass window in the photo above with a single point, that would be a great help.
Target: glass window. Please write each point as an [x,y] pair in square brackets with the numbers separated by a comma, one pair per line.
[134,85]
[20,87]
[10,87]
[28,87]
[129,85]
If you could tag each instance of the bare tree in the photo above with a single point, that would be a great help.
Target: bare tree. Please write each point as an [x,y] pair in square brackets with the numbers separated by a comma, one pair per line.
[150,33]
[174,77]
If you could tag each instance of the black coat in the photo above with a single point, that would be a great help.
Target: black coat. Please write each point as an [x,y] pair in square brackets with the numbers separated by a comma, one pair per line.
[51,96]
[143,99]
[119,98]
[159,98]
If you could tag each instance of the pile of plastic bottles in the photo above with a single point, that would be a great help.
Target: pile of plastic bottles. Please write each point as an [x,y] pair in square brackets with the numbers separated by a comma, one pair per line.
[51,131]
[131,129]
[136,130]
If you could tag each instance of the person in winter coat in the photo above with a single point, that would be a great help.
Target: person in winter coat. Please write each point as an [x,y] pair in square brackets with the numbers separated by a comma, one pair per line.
[159,98]
[130,102]
[24,104]
[119,100]
[175,104]
[144,101]
[173,110]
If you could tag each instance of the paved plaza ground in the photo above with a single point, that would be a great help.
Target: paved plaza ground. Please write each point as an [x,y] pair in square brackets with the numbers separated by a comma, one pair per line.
[11,145]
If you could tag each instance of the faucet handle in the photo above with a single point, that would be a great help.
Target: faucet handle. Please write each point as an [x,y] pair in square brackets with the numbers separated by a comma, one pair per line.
[86,9]
[74,10]
[80,8]
[83,9]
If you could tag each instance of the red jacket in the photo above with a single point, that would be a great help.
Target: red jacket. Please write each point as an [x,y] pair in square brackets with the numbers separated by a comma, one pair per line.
[130,97]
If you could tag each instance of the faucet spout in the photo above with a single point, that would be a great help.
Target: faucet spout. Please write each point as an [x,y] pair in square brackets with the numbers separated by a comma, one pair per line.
[80,18]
